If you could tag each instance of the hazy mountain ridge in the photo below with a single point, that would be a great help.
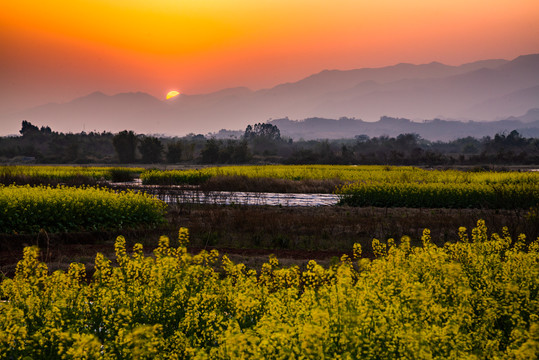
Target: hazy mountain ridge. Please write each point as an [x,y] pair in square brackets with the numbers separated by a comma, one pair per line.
[436,129]
[482,90]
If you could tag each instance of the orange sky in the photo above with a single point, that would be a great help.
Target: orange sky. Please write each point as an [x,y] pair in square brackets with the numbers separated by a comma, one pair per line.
[57,50]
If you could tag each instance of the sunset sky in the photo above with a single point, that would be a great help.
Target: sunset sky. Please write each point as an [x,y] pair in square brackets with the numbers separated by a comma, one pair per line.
[57,50]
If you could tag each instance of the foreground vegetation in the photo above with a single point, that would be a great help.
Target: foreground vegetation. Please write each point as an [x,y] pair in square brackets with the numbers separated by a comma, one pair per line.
[475,299]
[26,209]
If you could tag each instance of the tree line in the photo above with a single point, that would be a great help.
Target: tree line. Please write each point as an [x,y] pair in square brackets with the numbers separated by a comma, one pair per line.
[260,144]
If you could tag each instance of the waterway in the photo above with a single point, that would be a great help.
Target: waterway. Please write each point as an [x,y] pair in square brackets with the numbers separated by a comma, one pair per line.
[248,198]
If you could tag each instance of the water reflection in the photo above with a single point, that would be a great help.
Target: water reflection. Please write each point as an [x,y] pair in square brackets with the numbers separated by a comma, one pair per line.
[249,198]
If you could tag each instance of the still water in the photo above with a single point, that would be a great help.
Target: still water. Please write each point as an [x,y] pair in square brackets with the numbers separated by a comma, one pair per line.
[249,198]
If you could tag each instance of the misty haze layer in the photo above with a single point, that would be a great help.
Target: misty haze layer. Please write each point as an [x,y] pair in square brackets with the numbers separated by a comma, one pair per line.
[481,91]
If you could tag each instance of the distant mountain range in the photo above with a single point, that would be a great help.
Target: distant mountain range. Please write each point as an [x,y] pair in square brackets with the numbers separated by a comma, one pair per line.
[480,91]
[443,130]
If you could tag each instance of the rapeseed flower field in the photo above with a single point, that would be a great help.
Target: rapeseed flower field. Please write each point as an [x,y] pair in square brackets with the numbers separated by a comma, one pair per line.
[63,174]
[386,186]
[348,173]
[28,209]
[474,299]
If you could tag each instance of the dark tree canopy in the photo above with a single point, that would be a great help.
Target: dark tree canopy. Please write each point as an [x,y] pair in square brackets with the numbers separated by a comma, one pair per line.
[174,152]
[229,152]
[125,144]
[151,149]
[210,153]
[262,144]
[28,128]
[262,130]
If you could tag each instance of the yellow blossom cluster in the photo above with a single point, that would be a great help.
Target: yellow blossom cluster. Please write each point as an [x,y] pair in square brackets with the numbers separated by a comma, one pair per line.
[62,174]
[493,195]
[348,173]
[474,299]
[27,209]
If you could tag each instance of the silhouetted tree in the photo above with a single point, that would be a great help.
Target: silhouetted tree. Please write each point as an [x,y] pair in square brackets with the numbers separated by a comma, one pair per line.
[262,130]
[240,153]
[234,152]
[262,143]
[45,130]
[406,142]
[263,138]
[125,144]
[28,129]
[210,153]
[347,156]
[174,152]
[151,149]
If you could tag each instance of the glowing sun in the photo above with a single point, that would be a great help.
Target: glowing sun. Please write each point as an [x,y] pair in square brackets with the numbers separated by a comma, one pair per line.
[172,94]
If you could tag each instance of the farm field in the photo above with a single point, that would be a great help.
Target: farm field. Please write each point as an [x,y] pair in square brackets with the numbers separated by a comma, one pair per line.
[69,175]
[380,186]
[248,234]
[243,278]
[27,209]
[345,173]
[476,298]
